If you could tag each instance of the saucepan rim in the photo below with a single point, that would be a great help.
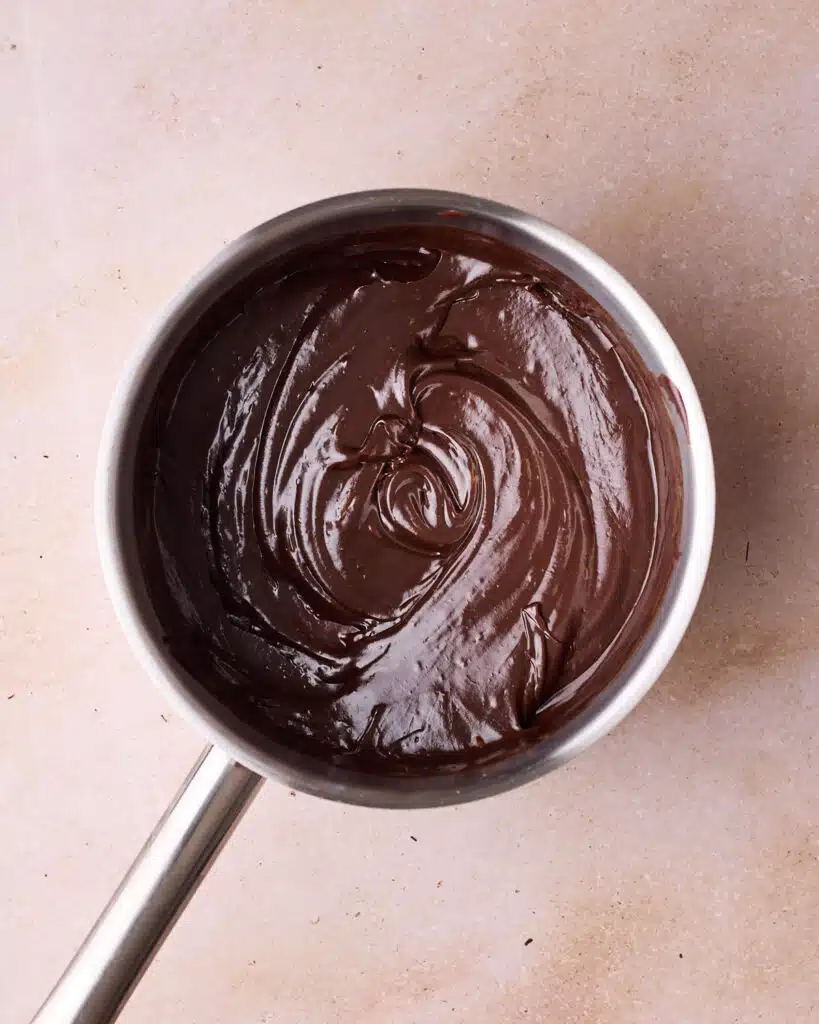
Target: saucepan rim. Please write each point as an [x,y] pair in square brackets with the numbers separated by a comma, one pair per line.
[114,485]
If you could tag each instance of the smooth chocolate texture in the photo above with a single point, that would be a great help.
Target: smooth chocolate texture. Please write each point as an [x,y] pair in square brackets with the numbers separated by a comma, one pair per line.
[406,501]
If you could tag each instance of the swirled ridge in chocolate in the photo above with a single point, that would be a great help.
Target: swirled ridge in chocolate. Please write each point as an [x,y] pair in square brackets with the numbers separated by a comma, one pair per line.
[407,500]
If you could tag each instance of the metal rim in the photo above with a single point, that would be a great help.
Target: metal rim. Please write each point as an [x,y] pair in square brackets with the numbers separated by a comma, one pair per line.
[605,711]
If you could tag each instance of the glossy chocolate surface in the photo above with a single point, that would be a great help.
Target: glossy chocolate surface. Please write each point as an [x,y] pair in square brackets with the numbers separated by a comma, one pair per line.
[407,500]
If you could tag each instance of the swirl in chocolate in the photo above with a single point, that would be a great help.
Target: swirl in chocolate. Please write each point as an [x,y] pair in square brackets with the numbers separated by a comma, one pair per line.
[408,499]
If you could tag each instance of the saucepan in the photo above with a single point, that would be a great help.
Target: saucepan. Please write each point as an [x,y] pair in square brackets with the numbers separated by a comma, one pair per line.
[227,775]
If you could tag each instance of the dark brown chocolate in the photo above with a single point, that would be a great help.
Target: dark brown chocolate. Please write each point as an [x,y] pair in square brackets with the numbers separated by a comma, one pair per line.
[407,500]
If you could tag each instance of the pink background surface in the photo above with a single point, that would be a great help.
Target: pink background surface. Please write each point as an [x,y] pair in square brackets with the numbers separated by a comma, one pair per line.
[672,872]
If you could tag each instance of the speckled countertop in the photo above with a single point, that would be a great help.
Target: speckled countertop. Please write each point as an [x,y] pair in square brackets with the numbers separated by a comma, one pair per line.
[671,873]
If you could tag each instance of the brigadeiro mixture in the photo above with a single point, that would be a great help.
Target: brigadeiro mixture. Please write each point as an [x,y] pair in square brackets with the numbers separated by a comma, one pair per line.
[407,500]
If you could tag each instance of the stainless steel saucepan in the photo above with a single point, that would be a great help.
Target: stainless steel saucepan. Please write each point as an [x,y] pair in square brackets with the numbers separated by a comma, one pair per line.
[221,785]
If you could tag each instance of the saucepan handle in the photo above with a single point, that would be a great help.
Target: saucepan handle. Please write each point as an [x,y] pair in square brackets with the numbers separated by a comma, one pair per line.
[161,880]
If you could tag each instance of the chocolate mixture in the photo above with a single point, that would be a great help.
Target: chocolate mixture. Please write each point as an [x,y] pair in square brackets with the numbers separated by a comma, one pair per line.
[407,500]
